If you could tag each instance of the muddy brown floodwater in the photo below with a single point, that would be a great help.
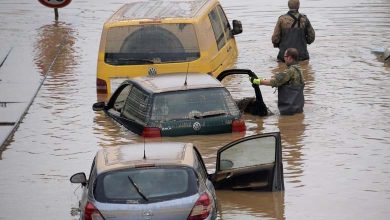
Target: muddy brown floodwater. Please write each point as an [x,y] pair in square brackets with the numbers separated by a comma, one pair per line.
[336,154]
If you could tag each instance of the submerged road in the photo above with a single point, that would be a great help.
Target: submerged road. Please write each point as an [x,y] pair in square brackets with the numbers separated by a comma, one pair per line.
[335,155]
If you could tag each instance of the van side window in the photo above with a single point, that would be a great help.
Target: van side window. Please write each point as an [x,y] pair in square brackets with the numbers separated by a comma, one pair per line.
[136,106]
[225,23]
[217,28]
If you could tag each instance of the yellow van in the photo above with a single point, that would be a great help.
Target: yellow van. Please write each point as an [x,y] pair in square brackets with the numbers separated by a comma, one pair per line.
[156,37]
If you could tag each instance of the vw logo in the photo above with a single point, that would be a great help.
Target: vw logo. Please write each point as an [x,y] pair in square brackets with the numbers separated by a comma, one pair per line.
[147,214]
[196,126]
[152,71]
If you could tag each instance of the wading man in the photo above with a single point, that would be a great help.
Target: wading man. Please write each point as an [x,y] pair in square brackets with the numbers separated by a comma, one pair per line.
[289,83]
[293,30]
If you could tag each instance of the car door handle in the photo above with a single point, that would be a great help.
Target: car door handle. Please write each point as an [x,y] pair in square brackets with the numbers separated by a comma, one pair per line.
[229,175]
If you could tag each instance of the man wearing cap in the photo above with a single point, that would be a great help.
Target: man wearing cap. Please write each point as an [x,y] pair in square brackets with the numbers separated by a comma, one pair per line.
[293,30]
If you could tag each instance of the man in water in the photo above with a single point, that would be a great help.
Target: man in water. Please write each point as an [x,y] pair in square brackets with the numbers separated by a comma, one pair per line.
[293,30]
[289,83]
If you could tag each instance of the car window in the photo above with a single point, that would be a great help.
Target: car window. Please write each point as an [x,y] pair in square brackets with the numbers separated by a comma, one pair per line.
[217,28]
[248,153]
[92,176]
[199,165]
[140,44]
[225,23]
[191,104]
[145,185]
[136,107]
[121,98]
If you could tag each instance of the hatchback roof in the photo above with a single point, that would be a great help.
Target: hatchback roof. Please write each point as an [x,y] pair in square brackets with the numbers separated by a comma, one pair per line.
[167,153]
[144,9]
[176,81]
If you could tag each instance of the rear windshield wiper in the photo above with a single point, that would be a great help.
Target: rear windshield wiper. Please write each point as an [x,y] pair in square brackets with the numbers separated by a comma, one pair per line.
[138,190]
[210,114]
[124,61]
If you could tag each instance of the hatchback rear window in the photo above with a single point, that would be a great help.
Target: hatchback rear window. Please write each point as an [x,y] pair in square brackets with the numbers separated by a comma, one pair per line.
[190,104]
[141,44]
[145,185]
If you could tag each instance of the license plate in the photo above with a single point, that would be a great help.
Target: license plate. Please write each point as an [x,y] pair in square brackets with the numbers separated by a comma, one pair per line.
[115,83]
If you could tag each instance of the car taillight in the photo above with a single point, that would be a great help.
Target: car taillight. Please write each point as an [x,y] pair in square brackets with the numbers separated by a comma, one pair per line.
[238,125]
[151,132]
[92,213]
[101,86]
[201,209]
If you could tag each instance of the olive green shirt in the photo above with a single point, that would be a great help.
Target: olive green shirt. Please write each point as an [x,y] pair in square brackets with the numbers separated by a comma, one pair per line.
[292,75]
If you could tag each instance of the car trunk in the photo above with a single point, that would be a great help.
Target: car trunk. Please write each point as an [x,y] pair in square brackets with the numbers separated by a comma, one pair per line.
[202,126]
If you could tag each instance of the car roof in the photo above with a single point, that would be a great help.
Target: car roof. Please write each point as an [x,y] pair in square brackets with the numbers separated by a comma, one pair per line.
[157,154]
[161,9]
[175,82]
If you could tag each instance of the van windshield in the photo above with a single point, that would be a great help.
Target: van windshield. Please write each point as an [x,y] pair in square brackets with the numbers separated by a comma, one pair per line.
[155,43]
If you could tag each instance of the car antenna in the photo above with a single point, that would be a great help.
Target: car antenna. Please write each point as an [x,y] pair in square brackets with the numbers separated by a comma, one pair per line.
[144,150]
[185,81]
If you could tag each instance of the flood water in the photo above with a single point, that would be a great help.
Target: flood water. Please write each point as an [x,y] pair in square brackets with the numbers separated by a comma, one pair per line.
[336,155]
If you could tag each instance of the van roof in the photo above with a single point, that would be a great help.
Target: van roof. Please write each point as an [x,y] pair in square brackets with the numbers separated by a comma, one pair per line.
[157,154]
[175,81]
[160,9]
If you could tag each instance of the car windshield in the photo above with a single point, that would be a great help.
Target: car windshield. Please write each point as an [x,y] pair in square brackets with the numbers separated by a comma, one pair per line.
[146,44]
[145,185]
[193,104]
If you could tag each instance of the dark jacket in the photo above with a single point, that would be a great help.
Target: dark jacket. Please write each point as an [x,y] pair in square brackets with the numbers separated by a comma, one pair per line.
[293,30]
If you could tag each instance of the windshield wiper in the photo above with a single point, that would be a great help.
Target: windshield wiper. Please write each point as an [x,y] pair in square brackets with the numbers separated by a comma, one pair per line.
[138,190]
[124,61]
[210,114]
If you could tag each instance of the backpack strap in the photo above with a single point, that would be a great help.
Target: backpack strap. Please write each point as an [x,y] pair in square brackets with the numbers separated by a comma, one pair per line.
[296,20]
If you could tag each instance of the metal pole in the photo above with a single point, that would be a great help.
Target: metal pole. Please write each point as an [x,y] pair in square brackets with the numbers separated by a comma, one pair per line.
[56,13]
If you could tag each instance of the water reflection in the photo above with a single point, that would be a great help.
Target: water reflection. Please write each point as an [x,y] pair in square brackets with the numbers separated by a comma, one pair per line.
[111,133]
[292,129]
[54,49]
[250,205]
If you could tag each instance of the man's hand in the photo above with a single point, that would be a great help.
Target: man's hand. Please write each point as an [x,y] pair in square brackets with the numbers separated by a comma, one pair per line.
[255,81]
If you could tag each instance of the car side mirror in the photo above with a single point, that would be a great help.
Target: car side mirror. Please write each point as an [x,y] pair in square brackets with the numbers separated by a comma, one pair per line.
[79,178]
[98,106]
[211,176]
[237,27]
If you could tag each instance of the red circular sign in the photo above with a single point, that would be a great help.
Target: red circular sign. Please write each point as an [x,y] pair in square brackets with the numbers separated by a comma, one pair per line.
[55,3]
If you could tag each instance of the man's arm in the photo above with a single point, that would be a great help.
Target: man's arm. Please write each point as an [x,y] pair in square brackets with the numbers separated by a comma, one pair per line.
[276,36]
[276,81]
[309,32]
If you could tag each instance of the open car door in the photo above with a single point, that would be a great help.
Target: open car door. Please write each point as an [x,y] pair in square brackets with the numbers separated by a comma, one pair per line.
[250,163]
[256,108]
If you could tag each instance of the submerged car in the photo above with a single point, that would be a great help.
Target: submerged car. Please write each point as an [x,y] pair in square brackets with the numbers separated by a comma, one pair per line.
[164,181]
[173,105]
[178,35]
